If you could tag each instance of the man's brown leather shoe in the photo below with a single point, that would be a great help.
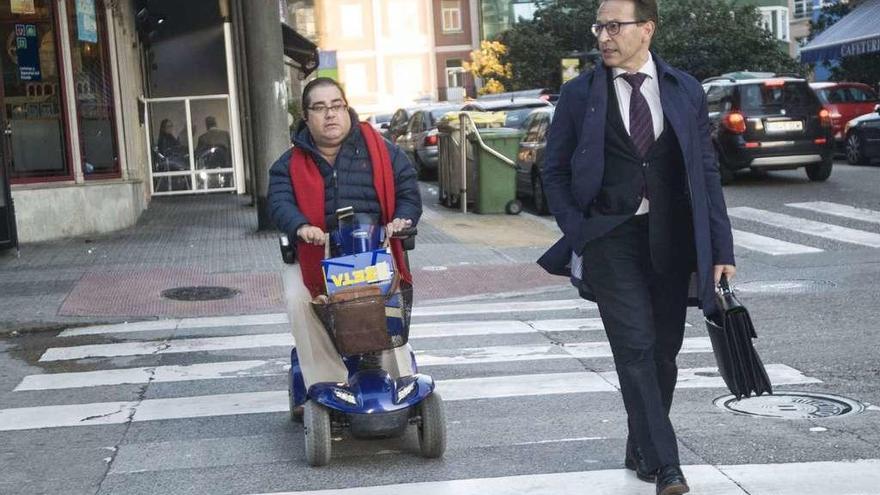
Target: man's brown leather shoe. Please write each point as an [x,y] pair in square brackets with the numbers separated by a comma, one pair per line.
[670,481]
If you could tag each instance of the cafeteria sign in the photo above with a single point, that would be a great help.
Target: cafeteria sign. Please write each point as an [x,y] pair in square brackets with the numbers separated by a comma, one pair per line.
[28,52]
[86,24]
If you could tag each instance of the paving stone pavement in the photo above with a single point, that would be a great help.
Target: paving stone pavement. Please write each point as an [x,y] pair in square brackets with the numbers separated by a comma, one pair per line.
[213,240]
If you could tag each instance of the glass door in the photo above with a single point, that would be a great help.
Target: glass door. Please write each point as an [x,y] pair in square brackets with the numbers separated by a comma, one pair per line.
[32,106]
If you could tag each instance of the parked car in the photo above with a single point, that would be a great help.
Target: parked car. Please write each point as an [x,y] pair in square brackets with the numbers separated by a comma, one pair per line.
[380,121]
[399,121]
[530,157]
[863,138]
[517,109]
[420,139]
[845,101]
[768,123]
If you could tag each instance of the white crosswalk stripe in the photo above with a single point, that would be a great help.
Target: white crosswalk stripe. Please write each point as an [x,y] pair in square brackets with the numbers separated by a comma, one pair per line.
[769,245]
[839,210]
[805,226]
[808,478]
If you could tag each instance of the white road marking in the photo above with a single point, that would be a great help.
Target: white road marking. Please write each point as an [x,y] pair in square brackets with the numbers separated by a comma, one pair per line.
[503,307]
[839,210]
[802,478]
[804,226]
[158,374]
[179,323]
[769,245]
[276,400]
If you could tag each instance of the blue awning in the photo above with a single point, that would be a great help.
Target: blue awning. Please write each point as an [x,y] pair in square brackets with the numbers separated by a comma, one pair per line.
[858,33]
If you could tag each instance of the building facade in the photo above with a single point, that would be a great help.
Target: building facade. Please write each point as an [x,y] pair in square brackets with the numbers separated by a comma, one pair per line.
[109,103]
[456,35]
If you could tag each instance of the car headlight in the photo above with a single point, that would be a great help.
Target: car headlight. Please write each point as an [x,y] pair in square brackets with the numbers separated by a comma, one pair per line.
[345,396]
[405,391]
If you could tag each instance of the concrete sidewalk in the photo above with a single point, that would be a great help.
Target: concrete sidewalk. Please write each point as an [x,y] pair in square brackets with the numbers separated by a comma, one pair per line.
[211,240]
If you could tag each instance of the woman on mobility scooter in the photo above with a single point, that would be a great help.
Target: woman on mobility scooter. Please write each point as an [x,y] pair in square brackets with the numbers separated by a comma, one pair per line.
[337,166]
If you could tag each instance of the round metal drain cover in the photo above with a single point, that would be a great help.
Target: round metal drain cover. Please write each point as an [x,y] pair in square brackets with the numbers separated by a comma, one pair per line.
[784,286]
[792,405]
[200,293]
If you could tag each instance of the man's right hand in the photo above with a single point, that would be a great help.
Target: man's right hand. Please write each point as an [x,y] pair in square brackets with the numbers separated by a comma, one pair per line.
[311,234]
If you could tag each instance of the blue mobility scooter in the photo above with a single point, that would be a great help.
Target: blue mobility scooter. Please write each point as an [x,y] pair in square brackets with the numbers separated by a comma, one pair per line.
[372,404]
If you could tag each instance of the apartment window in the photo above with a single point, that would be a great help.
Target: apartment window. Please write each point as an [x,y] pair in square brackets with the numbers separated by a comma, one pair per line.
[775,20]
[451,11]
[454,73]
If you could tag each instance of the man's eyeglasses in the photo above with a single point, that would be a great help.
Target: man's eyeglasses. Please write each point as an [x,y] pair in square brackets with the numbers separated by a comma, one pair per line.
[612,28]
[324,110]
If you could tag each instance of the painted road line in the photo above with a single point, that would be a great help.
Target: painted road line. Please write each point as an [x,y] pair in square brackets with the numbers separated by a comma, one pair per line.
[839,210]
[179,324]
[253,368]
[769,245]
[277,400]
[513,353]
[168,346]
[804,226]
[503,307]
[466,328]
[860,477]
[780,374]
[157,374]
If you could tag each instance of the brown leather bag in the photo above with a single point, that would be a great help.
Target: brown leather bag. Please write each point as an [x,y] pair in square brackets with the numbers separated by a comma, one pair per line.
[355,319]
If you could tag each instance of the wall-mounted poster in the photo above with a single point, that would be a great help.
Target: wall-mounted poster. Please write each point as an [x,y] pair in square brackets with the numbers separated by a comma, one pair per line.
[22,7]
[27,52]
[86,23]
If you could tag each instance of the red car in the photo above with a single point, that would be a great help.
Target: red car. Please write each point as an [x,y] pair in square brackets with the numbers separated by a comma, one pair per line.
[845,101]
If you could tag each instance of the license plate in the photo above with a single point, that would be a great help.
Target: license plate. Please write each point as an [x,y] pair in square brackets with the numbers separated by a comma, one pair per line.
[786,126]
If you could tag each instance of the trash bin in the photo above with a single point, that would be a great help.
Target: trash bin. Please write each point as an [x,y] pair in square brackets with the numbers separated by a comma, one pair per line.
[496,180]
[449,163]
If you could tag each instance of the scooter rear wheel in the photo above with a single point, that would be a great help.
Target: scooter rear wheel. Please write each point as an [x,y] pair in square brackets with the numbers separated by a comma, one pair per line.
[316,425]
[432,427]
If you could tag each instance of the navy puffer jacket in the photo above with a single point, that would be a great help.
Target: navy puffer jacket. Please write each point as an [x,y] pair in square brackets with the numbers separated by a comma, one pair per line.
[352,184]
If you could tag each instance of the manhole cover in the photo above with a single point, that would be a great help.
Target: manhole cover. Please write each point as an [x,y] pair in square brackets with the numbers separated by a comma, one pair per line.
[792,405]
[786,286]
[199,293]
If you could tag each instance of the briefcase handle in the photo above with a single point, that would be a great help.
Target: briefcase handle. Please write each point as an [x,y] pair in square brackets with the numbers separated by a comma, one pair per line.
[723,286]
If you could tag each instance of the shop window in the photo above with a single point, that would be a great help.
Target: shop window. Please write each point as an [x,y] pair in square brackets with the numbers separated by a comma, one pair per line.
[93,88]
[31,93]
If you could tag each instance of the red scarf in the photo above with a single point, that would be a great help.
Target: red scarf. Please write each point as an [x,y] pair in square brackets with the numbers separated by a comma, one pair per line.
[308,187]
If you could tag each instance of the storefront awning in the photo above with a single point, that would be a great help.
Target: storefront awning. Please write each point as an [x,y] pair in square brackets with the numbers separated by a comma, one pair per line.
[858,33]
[303,52]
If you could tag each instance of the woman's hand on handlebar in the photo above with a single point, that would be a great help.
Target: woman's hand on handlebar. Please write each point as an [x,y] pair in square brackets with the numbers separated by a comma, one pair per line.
[397,225]
[311,234]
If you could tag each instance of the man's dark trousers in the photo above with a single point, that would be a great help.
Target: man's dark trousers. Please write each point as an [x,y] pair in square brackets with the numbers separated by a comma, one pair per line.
[643,311]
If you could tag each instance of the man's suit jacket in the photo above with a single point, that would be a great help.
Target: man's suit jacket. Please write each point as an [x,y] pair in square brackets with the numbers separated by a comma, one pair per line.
[575,163]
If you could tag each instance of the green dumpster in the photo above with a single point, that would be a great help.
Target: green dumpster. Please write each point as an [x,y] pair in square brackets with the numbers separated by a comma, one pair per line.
[496,180]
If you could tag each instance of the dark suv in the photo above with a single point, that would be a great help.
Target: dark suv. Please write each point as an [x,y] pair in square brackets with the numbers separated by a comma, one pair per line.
[766,122]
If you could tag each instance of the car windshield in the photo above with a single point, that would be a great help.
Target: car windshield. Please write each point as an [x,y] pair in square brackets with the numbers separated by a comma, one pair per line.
[765,97]
[515,117]
[381,119]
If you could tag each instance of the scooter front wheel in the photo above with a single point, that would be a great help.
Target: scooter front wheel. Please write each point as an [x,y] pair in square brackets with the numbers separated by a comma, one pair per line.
[432,427]
[316,424]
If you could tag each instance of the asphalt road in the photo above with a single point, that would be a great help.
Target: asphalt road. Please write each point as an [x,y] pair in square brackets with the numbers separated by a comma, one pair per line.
[200,407]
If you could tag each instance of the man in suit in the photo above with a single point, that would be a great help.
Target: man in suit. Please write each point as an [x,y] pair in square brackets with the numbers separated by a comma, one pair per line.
[632,179]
